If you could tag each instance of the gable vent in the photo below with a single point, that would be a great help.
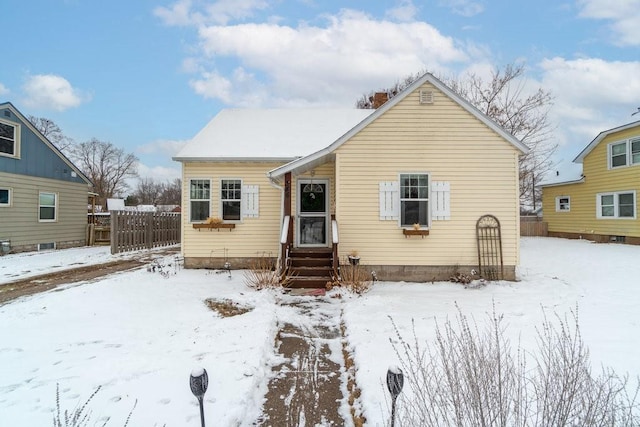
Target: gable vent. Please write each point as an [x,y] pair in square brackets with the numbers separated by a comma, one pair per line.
[7,113]
[426,97]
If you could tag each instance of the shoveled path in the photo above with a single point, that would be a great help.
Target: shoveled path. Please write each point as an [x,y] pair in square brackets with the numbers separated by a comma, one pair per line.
[307,386]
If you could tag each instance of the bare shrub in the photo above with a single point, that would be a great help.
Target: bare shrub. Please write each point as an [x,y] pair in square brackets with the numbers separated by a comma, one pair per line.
[472,377]
[81,415]
[263,274]
[355,278]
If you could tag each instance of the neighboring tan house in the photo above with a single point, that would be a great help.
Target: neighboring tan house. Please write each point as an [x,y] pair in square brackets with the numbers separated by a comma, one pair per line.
[403,185]
[43,196]
[602,204]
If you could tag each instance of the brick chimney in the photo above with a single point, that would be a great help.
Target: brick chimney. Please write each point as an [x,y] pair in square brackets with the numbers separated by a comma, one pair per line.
[380,98]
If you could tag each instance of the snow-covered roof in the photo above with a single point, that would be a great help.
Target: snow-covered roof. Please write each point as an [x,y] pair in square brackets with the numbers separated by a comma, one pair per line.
[600,137]
[268,134]
[564,172]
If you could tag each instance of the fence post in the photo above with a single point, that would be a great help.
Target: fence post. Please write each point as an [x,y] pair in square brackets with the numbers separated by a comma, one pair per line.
[114,232]
[148,226]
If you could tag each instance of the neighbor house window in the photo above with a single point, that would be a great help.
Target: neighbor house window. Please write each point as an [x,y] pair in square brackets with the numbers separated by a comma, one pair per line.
[8,139]
[5,197]
[625,153]
[48,207]
[414,199]
[616,205]
[199,199]
[231,198]
[563,204]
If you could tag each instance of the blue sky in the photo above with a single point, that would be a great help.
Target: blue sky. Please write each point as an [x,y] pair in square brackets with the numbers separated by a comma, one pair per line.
[147,75]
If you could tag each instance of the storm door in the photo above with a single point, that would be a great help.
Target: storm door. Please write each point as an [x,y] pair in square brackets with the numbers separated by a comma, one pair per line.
[313,208]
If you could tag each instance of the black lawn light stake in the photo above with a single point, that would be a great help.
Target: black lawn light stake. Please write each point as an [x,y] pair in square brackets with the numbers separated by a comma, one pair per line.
[395,381]
[198,382]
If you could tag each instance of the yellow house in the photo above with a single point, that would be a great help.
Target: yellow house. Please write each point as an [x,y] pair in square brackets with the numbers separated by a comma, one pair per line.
[403,185]
[602,205]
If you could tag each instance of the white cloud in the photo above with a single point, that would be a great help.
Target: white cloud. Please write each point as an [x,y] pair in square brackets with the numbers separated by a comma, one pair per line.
[591,95]
[3,90]
[405,11]
[624,17]
[179,14]
[185,12]
[158,173]
[50,91]
[466,8]
[162,146]
[335,63]
[214,86]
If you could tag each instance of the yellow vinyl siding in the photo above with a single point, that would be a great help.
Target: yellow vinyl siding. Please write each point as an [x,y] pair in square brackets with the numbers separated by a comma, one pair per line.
[252,236]
[451,145]
[599,178]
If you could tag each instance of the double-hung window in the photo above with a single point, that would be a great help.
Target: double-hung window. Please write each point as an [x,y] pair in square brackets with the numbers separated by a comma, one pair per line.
[620,204]
[414,199]
[624,153]
[231,199]
[563,204]
[5,197]
[48,207]
[199,199]
[9,139]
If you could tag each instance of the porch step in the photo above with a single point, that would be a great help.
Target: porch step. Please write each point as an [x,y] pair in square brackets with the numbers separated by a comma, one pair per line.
[297,282]
[310,268]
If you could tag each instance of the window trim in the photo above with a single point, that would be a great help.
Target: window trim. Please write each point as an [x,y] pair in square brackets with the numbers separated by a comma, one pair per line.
[559,204]
[198,221]
[9,197]
[401,200]
[628,153]
[16,139]
[55,207]
[221,203]
[616,205]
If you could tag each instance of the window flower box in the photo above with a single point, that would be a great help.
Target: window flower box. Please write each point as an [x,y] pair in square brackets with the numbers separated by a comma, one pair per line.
[413,232]
[214,226]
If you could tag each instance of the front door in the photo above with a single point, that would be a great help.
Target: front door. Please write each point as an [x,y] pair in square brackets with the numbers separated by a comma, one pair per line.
[313,208]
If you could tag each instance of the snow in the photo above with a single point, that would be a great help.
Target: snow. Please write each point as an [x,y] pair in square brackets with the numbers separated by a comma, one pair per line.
[270,133]
[139,335]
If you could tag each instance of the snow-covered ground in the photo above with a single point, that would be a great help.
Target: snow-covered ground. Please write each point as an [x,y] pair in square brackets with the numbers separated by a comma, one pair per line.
[139,335]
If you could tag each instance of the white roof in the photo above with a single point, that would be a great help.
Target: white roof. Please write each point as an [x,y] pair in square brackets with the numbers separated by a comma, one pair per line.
[283,134]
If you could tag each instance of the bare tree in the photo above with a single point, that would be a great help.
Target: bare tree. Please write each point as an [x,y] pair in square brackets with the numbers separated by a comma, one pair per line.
[151,192]
[523,114]
[506,101]
[172,193]
[148,191]
[52,132]
[106,165]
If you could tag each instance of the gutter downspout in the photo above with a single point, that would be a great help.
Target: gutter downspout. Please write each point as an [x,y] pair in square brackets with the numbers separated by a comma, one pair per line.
[275,184]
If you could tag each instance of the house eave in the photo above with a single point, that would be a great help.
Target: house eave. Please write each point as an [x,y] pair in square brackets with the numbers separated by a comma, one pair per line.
[557,184]
[602,135]
[235,159]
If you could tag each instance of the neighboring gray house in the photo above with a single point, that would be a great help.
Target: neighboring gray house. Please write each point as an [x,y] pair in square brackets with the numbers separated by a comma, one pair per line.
[43,195]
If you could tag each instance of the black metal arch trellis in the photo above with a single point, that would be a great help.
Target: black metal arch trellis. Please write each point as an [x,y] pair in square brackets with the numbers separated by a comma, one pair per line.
[489,239]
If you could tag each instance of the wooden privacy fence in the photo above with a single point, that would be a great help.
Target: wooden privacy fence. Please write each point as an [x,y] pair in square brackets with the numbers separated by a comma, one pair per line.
[132,231]
[533,226]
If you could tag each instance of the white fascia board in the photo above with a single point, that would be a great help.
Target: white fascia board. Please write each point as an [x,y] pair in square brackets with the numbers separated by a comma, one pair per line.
[235,159]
